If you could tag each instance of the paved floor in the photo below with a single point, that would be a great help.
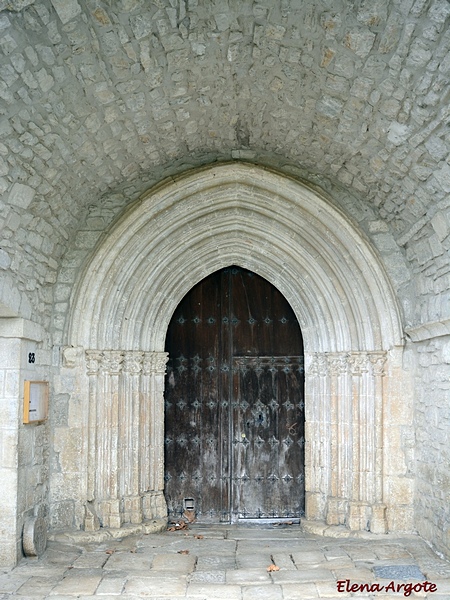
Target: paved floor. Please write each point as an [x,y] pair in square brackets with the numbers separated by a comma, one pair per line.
[232,563]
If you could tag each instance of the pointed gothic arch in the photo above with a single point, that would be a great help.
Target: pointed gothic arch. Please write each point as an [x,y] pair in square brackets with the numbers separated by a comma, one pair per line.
[292,235]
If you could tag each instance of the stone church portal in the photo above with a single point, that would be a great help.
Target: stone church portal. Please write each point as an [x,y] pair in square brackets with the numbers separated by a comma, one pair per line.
[176,236]
[234,402]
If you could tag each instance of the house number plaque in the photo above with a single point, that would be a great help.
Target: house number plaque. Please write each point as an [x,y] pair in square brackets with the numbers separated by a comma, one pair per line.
[35,401]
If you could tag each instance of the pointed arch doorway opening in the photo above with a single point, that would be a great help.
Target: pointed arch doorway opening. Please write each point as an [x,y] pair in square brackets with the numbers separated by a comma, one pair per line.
[234,402]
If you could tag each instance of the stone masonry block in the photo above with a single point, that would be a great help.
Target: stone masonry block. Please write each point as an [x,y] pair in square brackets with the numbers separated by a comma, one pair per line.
[66,9]
[21,195]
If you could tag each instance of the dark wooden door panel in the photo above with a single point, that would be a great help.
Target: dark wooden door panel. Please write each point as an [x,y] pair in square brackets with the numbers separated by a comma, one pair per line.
[196,405]
[234,401]
[268,437]
[264,322]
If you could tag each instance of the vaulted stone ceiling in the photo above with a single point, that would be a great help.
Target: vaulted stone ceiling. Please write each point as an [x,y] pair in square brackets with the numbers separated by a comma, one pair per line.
[100,100]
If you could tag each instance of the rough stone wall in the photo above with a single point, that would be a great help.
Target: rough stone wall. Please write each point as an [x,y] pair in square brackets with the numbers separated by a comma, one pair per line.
[9,404]
[101,100]
[432,421]
[24,449]
[101,97]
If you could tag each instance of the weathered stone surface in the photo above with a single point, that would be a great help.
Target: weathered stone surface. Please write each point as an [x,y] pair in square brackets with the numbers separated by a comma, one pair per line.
[84,582]
[157,586]
[248,576]
[34,536]
[180,563]
[99,103]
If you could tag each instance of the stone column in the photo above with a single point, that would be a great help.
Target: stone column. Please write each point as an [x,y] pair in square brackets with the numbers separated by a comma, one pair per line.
[154,504]
[378,522]
[344,425]
[92,366]
[130,429]
[366,510]
[126,452]
[341,424]
[358,510]
[317,437]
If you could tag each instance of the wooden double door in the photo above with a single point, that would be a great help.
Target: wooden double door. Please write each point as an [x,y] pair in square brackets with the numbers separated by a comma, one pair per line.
[234,409]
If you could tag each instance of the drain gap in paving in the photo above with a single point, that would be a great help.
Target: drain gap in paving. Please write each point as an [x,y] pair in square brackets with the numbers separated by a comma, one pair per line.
[399,572]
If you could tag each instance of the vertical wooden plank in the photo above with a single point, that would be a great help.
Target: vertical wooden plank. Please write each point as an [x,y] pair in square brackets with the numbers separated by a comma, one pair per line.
[193,442]
[268,408]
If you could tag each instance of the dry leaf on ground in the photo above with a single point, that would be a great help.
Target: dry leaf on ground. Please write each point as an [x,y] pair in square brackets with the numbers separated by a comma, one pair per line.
[177,526]
[271,568]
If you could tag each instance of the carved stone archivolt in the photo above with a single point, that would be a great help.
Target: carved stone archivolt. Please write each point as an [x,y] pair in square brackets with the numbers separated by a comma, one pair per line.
[336,285]
[125,439]
[346,432]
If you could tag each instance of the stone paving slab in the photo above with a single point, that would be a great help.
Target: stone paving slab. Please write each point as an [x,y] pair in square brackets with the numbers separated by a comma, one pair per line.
[340,563]
[37,586]
[57,555]
[200,547]
[256,592]
[10,583]
[129,562]
[256,561]
[156,586]
[299,591]
[354,574]
[90,560]
[231,566]
[241,532]
[248,576]
[214,532]
[78,582]
[392,553]
[208,577]
[209,591]
[303,575]
[284,561]
[285,547]
[308,558]
[111,585]
[206,563]
[29,568]
[178,563]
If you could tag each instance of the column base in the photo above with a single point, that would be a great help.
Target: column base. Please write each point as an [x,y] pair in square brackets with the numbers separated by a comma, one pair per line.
[315,505]
[337,511]
[378,521]
[154,505]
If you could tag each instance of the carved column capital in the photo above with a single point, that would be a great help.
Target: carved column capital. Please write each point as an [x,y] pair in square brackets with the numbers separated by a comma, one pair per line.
[155,362]
[93,358]
[161,359]
[338,363]
[359,362]
[319,365]
[378,361]
[72,356]
[132,361]
[111,361]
